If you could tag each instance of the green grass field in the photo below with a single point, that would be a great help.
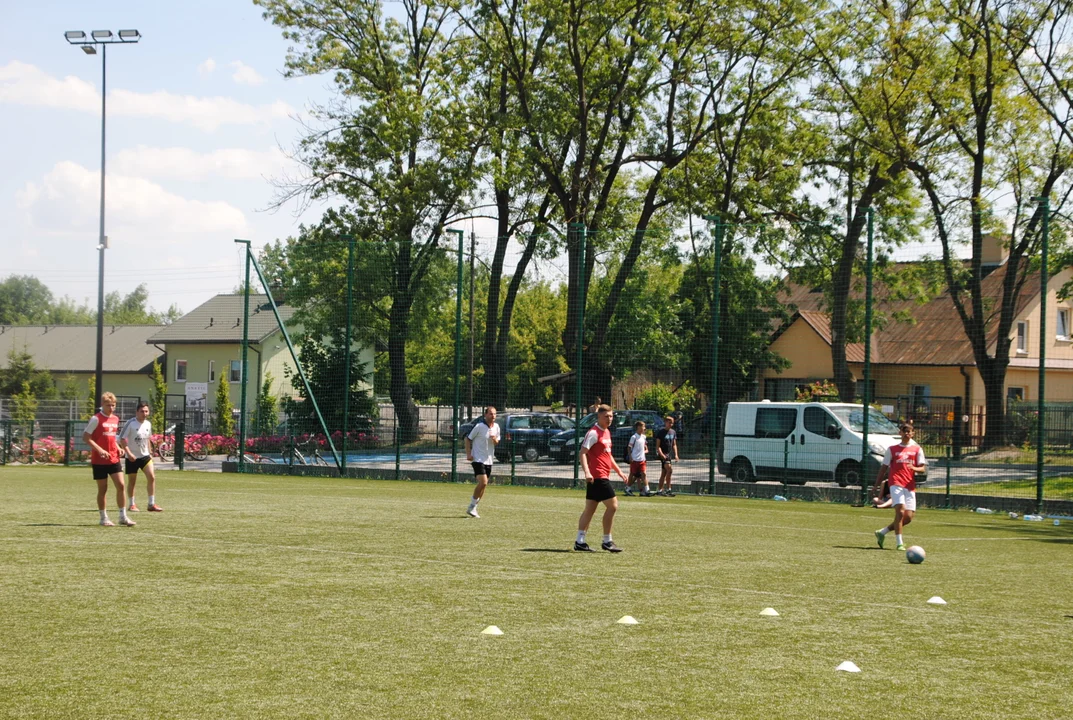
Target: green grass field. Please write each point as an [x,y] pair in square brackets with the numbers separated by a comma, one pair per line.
[314,598]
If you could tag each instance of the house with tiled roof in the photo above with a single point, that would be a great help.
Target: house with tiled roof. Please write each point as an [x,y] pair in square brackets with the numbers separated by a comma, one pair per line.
[70,351]
[930,355]
[204,349]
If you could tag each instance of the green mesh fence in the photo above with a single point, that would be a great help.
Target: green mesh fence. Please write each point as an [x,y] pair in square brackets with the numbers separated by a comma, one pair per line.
[763,370]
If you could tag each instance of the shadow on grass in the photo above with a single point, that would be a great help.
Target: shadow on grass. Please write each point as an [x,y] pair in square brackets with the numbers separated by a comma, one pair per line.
[547,550]
[447,517]
[52,525]
[855,547]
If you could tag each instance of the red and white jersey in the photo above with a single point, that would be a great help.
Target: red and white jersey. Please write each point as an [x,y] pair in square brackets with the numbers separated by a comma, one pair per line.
[597,446]
[103,430]
[900,460]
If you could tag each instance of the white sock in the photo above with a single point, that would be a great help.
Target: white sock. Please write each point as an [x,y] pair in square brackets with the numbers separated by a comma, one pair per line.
[900,540]
[130,501]
[607,538]
[473,503]
[122,513]
[104,515]
[581,536]
[884,531]
[152,500]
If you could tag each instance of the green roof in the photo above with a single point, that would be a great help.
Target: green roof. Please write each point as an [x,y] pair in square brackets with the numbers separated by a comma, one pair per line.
[220,321]
[73,348]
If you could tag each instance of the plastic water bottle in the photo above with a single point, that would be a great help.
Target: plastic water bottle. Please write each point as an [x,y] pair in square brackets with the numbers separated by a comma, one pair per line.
[1056,523]
[779,498]
[1034,518]
[984,511]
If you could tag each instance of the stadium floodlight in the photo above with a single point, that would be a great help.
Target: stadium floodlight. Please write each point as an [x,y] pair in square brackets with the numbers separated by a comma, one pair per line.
[104,38]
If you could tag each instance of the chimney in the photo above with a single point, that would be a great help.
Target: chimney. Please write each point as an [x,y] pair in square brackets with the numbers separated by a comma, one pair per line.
[994,250]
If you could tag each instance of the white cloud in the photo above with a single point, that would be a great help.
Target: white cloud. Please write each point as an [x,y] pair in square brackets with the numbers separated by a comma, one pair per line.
[245,75]
[22,84]
[207,67]
[67,200]
[188,164]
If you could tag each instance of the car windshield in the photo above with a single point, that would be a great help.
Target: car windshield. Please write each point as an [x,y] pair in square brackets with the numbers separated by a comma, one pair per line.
[878,423]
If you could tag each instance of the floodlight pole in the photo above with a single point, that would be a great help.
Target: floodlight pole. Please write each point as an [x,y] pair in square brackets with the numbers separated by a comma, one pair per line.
[1045,210]
[460,236]
[89,45]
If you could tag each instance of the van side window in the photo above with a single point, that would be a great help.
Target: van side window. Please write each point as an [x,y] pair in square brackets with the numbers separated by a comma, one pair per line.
[775,422]
[817,420]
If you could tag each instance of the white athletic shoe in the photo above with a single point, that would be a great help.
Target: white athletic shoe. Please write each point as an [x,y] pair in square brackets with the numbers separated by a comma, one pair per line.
[127,522]
[472,512]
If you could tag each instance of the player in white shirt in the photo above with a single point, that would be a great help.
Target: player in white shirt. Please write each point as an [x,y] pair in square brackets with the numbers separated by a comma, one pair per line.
[135,440]
[481,451]
[638,449]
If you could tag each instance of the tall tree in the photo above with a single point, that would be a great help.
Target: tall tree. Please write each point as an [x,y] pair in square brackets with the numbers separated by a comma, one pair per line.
[999,143]
[395,144]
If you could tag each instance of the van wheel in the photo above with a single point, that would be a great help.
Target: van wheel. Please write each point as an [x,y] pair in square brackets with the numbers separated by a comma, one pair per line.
[741,471]
[848,473]
[531,454]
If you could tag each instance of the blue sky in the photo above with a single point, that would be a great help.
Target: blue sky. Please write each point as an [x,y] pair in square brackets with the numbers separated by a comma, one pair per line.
[198,112]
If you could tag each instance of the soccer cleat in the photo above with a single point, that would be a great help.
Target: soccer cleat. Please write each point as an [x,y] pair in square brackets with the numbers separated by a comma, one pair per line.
[155,508]
[107,523]
[668,494]
[900,547]
[132,508]
[582,547]
[610,546]
[880,538]
[472,512]
[628,490]
[127,522]
[647,493]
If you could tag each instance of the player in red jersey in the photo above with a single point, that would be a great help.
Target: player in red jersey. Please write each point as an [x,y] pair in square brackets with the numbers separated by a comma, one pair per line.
[597,461]
[100,435]
[901,463]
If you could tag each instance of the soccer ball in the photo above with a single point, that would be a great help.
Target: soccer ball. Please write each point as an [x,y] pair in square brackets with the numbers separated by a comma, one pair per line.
[915,555]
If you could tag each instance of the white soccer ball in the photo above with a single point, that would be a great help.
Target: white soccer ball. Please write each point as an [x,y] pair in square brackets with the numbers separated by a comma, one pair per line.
[915,555]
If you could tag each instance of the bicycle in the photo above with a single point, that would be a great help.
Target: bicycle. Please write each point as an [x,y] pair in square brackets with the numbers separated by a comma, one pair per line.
[295,456]
[19,451]
[250,457]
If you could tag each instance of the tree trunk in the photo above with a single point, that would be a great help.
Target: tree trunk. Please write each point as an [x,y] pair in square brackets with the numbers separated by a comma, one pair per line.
[994,375]
[401,393]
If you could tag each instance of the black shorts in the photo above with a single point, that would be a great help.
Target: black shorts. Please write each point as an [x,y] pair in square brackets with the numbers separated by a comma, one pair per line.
[137,464]
[599,490]
[101,472]
[666,462]
[482,469]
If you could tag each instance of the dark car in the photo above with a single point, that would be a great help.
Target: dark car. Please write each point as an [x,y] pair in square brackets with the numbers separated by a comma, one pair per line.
[528,433]
[561,446]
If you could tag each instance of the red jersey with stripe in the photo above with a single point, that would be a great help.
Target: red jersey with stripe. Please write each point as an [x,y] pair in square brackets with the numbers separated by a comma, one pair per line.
[103,429]
[597,446]
[901,459]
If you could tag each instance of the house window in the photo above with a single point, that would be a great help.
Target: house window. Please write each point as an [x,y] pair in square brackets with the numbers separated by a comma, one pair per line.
[212,371]
[180,371]
[921,397]
[1015,393]
[235,373]
[1063,324]
[1022,337]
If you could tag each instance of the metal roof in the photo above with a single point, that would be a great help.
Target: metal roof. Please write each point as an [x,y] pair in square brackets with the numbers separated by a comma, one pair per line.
[220,321]
[73,348]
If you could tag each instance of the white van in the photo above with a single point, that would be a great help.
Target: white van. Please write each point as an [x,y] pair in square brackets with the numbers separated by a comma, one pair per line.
[797,442]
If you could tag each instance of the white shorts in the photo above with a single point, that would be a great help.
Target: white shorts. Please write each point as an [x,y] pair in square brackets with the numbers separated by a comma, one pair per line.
[903,496]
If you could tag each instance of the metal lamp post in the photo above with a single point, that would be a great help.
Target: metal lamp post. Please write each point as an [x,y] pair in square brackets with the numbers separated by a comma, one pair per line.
[103,38]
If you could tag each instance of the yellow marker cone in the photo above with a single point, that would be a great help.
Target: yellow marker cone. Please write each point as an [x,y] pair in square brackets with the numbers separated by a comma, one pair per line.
[847,666]
[936,600]
[627,620]
[491,630]
[769,612]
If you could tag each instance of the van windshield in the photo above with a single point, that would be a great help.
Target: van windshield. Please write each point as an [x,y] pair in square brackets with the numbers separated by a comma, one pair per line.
[853,418]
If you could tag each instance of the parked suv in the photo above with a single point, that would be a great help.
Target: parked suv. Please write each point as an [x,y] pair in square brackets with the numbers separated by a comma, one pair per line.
[561,447]
[530,433]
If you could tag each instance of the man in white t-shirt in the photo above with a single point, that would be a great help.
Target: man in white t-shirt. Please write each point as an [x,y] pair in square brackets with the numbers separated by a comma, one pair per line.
[638,451]
[135,442]
[481,451]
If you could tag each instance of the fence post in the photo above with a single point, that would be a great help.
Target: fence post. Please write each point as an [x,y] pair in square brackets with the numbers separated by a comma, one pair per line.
[785,466]
[398,446]
[180,444]
[1044,208]
[67,443]
[958,428]
[947,505]
[348,351]
[245,368]
[579,228]
[866,407]
[713,450]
